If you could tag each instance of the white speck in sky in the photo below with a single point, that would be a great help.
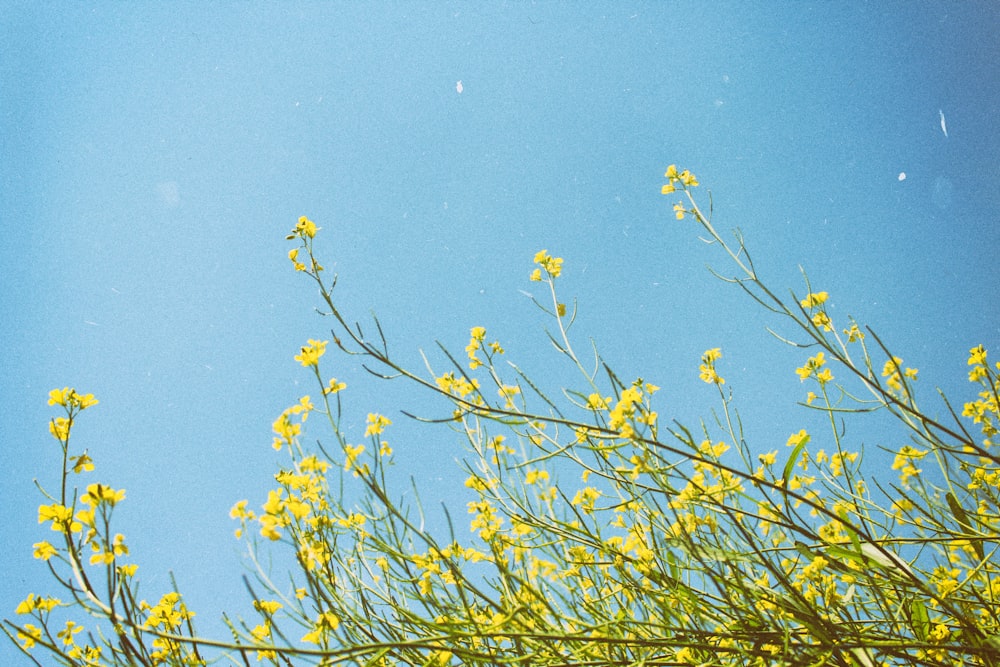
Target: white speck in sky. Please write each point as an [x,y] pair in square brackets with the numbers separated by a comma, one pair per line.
[944,128]
[902,175]
[459,87]
[170,193]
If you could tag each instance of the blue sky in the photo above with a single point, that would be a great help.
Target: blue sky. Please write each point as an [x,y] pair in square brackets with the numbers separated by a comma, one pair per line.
[156,155]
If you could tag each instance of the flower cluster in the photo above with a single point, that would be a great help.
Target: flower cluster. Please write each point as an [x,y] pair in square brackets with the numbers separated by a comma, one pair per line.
[707,368]
[678,180]
[551,265]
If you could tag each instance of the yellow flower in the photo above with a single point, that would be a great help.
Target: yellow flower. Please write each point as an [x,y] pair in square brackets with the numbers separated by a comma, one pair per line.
[707,367]
[293,255]
[99,493]
[814,299]
[59,396]
[551,265]
[679,211]
[59,428]
[977,357]
[595,402]
[812,369]
[334,386]
[43,550]
[60,516]
[890,371]
[66,634]
[311,353]
[796,438]
[30,635]
[82,463]
[353,452]
[685,177]
[305,228]
[325,624]
[376,424]
[535,476]
[267,607]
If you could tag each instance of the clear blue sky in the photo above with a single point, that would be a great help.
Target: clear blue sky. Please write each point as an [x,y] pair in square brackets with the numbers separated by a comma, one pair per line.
[155,155]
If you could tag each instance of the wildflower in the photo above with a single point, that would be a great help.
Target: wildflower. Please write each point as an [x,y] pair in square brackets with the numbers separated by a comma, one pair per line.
[43,550]
[376,424]
[99,493]
[814,299]
[891,371]
[82,463]
[304,228]
[310,354]
[353,452]
[707,366]
[551,265]
[813,367]
[30,635]
[476,337]
[293,255]
[59,428]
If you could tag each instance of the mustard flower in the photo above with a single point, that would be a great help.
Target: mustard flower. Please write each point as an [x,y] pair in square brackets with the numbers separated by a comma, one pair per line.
[707,367]
[293,255]
[66,634]
[353,452]
[551,265]
[796,438]
[69,398]
[60,516]
[99,493]
[59,428]
[595,402]
[324,625]
[813,367]
[476,337]
[267,607]
[29,636]
[376,424]
[43,550]
[127,570]
[686,178]
[304,228]
[33,602]
[891,371]
[854,334]
[310,354]
[814,299]
[333,386]
[82,463]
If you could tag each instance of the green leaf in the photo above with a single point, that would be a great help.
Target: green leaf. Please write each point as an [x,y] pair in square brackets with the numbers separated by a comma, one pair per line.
[963,520]
[792,459]
[919,620]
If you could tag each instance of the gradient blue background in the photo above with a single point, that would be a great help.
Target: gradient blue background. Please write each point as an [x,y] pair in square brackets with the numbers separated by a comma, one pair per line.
[154,156]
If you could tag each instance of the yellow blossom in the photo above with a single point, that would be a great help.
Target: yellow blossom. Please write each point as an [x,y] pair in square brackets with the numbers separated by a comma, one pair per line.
[43,550]
[814,299]
[310,354]
[334,386]
[551,265]
[293,255]
[707,368]
[376,424]
[59,428]
[304,228]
